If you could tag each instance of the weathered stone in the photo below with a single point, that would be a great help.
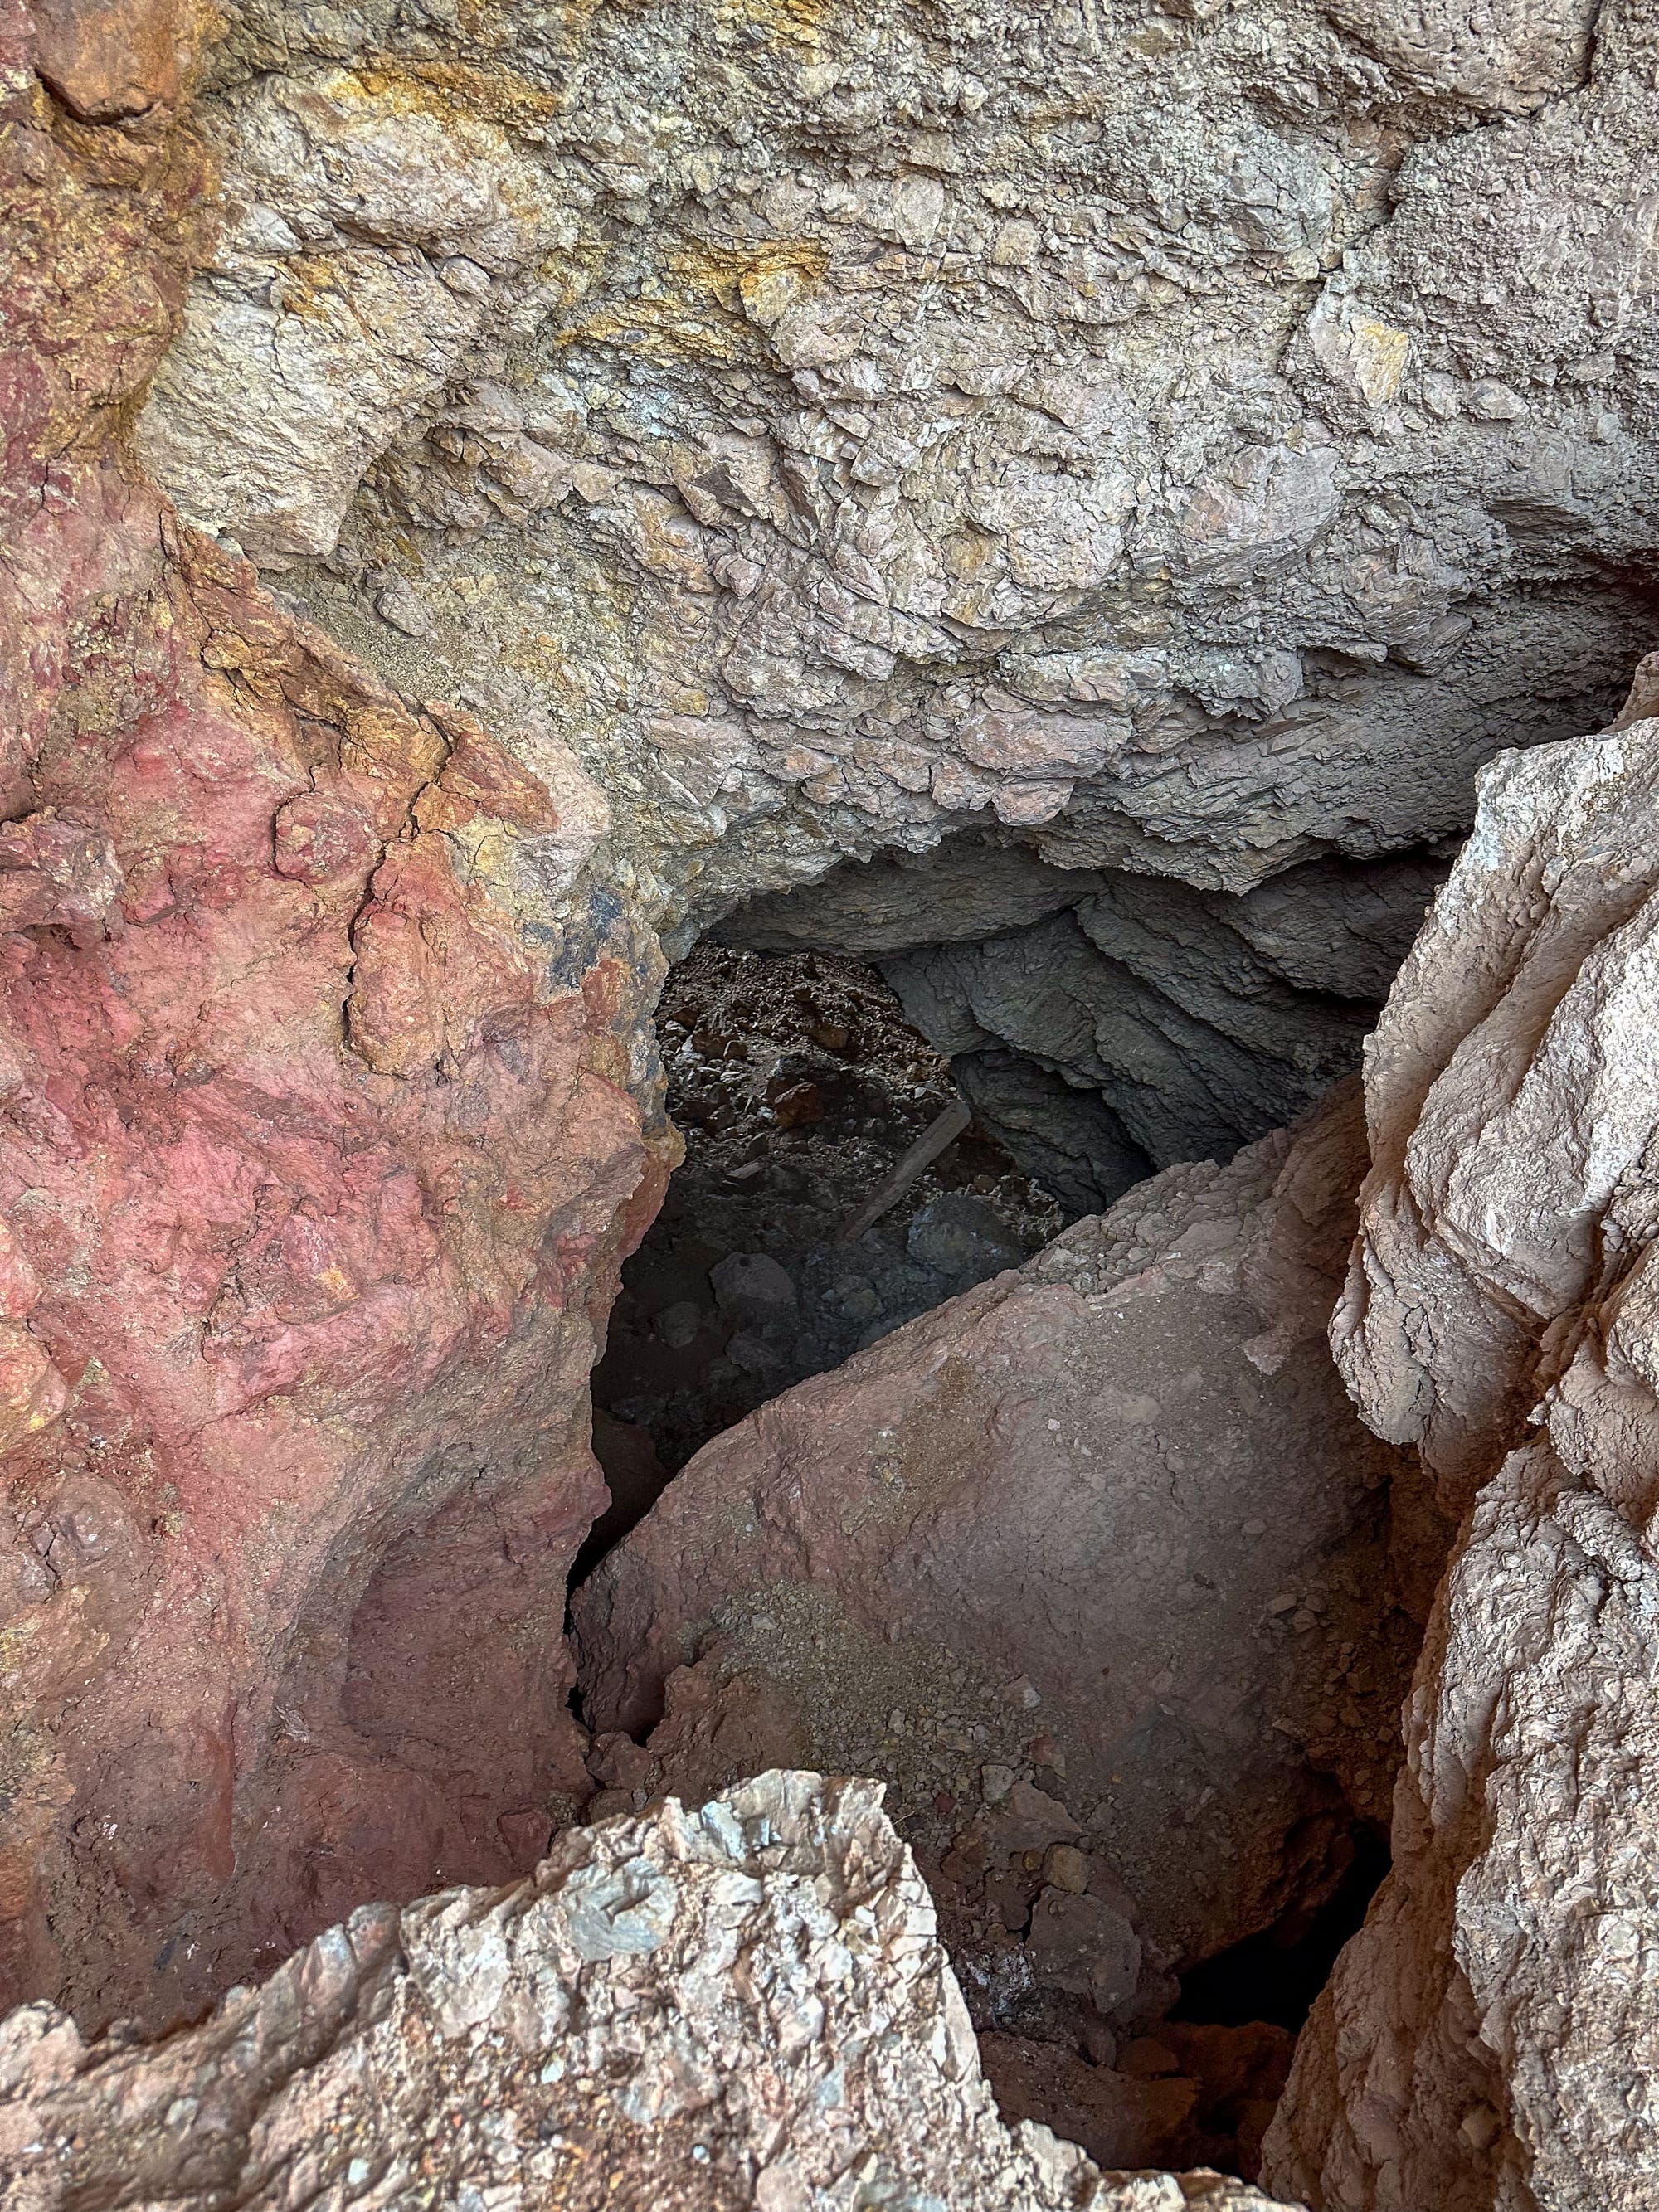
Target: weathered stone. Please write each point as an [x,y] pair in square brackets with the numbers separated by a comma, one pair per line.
[322,1135]
[1147,433]
[675,2010]
[1486,2038]
[1013,1535]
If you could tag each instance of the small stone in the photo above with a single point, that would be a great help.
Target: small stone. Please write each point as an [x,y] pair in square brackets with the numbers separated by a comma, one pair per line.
[1143,2058]
[751,1287]
[754,1356]
[397,603]
[996,1782]
[1285,1602]
[1495,403]
[1067,1867]
[678,1325]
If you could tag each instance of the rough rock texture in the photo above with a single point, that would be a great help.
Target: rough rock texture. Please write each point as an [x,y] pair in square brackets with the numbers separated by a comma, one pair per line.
[740,2006]
[1490,2038]
[1104,1023]
[1093,1555]
[1200,436]
[323,1126]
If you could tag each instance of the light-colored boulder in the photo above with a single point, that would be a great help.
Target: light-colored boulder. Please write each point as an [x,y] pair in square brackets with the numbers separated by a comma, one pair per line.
[1489,2039]
[743,2005]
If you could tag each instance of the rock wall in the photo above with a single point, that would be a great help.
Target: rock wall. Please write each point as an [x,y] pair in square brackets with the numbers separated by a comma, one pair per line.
[1488,2039]
[1194,437]
[744,2005]
[325,1123]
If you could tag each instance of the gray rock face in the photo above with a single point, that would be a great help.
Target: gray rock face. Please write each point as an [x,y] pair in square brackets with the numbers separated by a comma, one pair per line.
[744,2005]
[1488,2037]
[1104,1023]
[1198,437]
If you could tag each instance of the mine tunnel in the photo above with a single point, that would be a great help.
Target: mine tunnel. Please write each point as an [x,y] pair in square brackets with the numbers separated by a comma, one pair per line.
[913,1072]
[897,1084]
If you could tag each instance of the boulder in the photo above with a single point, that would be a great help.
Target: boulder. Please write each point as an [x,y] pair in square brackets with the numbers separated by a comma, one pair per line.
[1487,2038]
[674,2009]
[1096,1554]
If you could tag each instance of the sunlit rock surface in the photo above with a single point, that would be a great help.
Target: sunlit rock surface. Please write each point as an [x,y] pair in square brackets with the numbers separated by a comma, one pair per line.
[1488,2037]
[1192,437]
[740,2006]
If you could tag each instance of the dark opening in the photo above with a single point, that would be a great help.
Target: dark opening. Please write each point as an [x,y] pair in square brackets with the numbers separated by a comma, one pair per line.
[800,1088]
[1276,1976]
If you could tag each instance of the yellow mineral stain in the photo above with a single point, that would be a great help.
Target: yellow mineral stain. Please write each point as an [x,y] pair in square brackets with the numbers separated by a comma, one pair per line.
[700,309]
[452,91]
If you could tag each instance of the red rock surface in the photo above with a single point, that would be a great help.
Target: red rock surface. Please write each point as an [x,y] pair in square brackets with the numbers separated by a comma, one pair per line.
[318,1156]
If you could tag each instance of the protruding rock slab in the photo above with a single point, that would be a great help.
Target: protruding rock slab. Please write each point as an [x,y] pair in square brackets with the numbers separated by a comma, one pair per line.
[1096,1554]
[1489,2039]
[742,2006]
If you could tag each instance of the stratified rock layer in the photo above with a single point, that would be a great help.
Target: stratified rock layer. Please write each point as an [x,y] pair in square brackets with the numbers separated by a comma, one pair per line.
[740,2006]
[1095,1553]
[1489,2039]
[323,1129]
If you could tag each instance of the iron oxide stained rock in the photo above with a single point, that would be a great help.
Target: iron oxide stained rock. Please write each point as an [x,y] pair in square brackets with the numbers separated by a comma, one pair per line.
[1488,2037]
[1097,1551]
[323,1132]
[744,2005]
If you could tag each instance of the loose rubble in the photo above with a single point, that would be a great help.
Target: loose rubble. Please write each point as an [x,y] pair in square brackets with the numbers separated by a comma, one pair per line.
[798,1085]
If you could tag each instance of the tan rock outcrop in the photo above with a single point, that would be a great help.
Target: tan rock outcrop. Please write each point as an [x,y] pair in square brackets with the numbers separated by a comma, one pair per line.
[1489,2037]
[740,2006]
[1145,429]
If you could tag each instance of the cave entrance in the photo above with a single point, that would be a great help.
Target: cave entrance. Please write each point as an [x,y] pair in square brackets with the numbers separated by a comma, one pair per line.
[893,1084]
[836,1185]
[1087,1026]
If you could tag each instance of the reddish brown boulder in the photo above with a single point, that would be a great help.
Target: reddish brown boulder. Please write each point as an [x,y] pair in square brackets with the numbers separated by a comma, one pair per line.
[318,1156]
[1095,1555]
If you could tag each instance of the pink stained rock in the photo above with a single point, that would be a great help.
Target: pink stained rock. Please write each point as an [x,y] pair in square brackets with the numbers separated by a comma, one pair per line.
[317,1159]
